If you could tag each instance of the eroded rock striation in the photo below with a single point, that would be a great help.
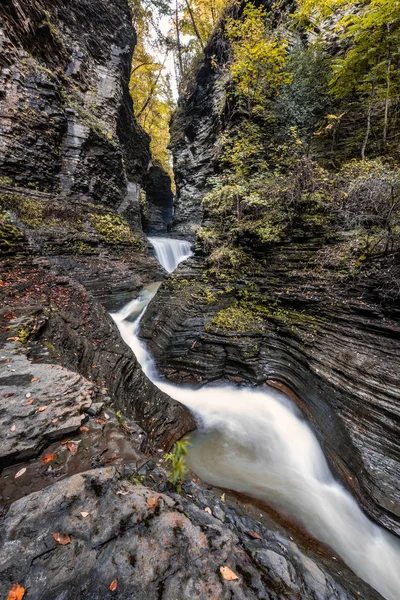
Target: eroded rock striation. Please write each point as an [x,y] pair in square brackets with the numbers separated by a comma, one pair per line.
[297,316]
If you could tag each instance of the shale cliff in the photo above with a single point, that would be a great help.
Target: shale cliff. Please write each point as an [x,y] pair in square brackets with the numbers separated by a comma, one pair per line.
[86,507]
[304,314]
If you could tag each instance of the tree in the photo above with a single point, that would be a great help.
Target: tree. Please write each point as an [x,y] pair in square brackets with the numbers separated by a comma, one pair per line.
[369,53]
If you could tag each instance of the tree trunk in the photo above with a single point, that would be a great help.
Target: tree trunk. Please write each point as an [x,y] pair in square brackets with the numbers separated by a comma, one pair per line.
[194,24]
[178,42]
[368,130]
[386,117]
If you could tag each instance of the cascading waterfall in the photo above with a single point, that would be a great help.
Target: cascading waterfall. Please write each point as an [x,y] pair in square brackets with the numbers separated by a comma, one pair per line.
[258,443]
[169,252]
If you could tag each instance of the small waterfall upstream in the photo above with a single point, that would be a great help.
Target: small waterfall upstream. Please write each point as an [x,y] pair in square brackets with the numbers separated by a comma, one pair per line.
[169,252]
[257,442]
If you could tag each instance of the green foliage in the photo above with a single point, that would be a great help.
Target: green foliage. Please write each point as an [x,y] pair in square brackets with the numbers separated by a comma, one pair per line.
[177,461]
[259,59]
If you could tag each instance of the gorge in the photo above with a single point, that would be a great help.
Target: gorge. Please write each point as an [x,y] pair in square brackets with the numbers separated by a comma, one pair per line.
[254,312]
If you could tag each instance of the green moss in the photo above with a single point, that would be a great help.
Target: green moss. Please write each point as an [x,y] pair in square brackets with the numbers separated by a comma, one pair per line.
[236,318]
[6,180]
[113,229]
[11,238]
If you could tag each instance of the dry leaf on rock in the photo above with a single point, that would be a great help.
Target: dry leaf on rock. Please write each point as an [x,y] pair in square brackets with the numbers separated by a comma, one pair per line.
[34,379]
[100,421]
[84,514]
[48,458]
[208,510]
[83,428]
[152,502]
[42,408]
[9,395]
[16,593]
[254,535]
[20,472]
[61,539]
[73,448]
[113,585]
[54,420]
[228,574]
[28,402]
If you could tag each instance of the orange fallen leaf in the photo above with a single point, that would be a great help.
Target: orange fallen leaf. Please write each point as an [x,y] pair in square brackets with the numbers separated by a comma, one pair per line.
[13,339]
[65,441]
[254,535]
[48,458]
[100,421]
[42,408]
[16,593]
[34,379]
[73,448]
[113,585]
[228,574]
[20,472]
[28,402]
[83,428]
[61,539]
[153,502]
[55,420]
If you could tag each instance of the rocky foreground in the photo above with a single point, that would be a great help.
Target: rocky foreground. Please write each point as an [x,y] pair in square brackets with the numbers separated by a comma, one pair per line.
[86,507]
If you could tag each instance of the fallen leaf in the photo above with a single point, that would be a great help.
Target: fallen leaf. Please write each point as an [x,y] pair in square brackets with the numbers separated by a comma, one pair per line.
[100,421]
[228,574]
[83,428]
[73,448]
[42,408]
[9,395]
[61,539]
[48,458]
[12,428]
[223,498]
[34,379]
[208,510]
[65,441]
[55,420]
[84,514]
[16,593]
[153,502]
[28,402]
[254,535]
[113,585]
[13,339]
[20,472]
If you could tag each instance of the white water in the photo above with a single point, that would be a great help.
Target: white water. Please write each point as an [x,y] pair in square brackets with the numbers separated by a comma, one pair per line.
[257,442]
[170,252]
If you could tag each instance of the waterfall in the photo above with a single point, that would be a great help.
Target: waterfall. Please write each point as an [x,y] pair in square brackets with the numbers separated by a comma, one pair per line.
[169,252]
[257,442]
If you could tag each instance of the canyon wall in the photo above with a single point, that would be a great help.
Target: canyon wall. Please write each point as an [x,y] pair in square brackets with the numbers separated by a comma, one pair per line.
[294,316]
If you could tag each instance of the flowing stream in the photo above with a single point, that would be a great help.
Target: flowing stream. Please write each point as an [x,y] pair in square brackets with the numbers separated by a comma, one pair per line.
[257,442]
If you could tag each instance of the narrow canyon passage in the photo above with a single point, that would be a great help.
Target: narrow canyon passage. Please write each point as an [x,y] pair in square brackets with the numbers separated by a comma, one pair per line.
[258,443]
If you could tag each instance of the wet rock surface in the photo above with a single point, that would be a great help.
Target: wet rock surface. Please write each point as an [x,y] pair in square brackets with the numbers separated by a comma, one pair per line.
[152,544]
[334,350]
